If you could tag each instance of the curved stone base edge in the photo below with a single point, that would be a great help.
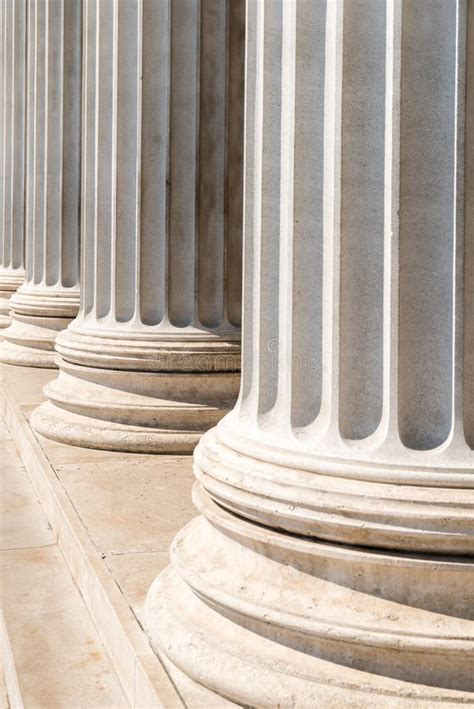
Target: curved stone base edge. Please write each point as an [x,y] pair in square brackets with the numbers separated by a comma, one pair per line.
[29,341]
[26,356]
[253,671]
[34,301]
[74,429]
[5,308]
[194,694]
[145,412]
[198,353]
[11,280]
[326,505]
[263,617]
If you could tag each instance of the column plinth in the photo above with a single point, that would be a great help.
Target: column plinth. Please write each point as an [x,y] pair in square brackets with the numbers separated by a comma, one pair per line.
[38,315]
[48,298]
[153,358]
[332,564]
[12,142]
[139,393]
[10,281]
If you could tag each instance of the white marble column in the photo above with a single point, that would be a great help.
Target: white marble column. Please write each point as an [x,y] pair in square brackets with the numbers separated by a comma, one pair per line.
[12,147]
[332,564]
[153,358]
[49,297]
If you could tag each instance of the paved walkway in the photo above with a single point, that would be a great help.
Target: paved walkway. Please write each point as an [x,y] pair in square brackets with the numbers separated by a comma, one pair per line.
[59,658]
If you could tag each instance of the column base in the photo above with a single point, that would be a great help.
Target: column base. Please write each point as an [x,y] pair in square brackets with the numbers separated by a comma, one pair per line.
[10,281]
[5,307]
[264,618]
[57,424]
[29,341]
[137,391]
[141,412]
[38,314]
[406,502]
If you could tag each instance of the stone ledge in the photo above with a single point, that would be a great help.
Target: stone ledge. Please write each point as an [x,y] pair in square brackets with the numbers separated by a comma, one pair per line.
[11,694]
[143,678]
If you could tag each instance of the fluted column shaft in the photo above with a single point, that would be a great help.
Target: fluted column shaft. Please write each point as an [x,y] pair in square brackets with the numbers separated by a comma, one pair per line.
[49,297]
[12,145]
[330,566]
[153,358]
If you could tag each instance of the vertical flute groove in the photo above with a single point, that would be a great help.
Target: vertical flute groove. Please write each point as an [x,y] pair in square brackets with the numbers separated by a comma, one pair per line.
[211,160]
[468,294]
[113,160]
[127,156]
[183,162]
[12,134]
[362,218]
[428,78]
[233,207]
[3,171]
[8,126]
[308,212]
[54,53]
[269,292]
[104,194]
[39,130]
[154,160]
[71,158]
[252,196]
[30,139]
[88,160]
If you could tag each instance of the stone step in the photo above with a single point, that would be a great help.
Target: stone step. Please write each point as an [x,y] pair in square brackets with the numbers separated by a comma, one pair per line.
[52,654]
[113,558]
[4,704]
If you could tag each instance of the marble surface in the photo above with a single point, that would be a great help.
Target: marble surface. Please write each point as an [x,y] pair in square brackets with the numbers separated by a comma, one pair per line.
[48,89]
[129,507]
[59,658]
[153,358]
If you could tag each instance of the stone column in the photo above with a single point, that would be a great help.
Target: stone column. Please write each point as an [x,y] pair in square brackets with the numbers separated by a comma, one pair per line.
[332,564]
[49,297]
[153,358]
[12,147]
